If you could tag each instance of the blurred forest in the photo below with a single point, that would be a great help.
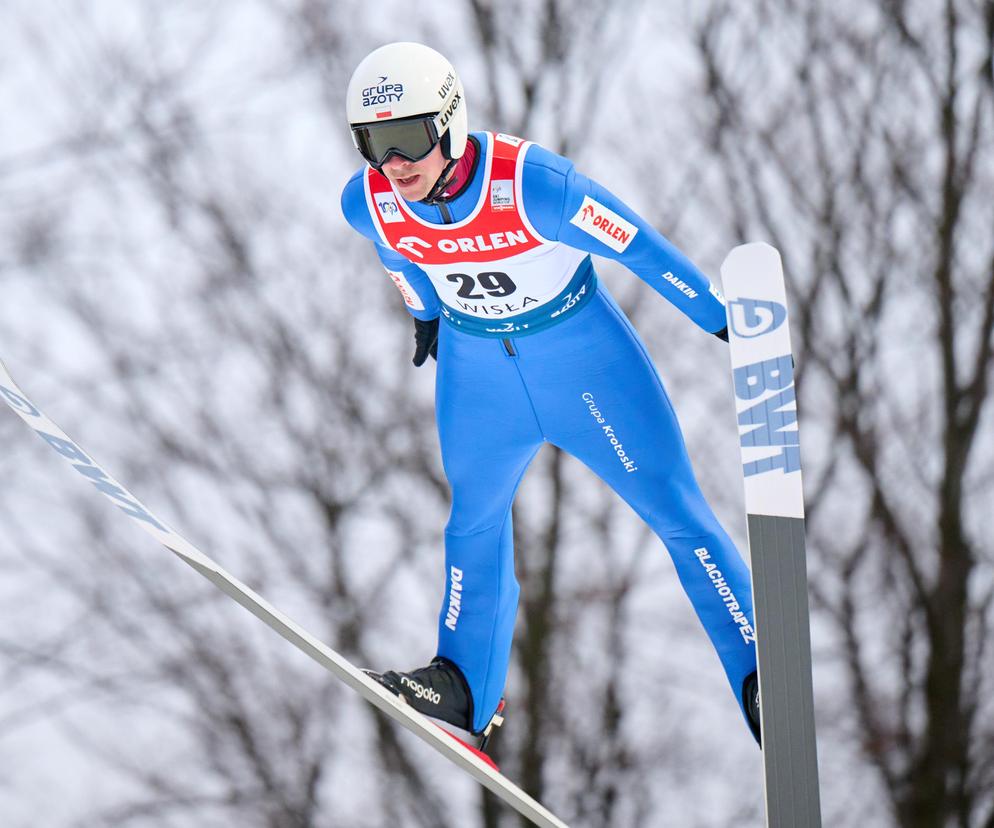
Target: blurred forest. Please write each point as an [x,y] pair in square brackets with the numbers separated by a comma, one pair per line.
[179,291]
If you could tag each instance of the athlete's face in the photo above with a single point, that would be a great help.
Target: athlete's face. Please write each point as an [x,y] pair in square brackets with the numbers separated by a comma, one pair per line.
[414,179]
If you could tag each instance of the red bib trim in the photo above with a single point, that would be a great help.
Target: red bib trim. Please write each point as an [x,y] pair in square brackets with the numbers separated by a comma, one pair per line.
[495,230]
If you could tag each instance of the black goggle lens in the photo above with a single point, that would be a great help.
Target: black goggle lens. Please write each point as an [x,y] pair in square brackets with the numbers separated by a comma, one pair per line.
[412,140]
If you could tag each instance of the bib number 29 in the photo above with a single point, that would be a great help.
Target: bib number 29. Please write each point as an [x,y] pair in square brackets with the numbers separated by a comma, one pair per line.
[493,282]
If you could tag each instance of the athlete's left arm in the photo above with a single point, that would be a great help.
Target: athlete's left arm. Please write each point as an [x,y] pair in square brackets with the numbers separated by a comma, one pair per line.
[566,206]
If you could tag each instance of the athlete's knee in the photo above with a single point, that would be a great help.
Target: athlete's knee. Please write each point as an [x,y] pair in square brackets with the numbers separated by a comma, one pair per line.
[475,515]
[509,591]
[473,527]
[686,514]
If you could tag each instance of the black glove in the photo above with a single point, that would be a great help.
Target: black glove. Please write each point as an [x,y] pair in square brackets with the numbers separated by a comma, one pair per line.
[425,340]
[722,334]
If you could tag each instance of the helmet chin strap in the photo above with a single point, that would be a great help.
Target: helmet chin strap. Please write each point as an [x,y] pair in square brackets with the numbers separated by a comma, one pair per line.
[443,180]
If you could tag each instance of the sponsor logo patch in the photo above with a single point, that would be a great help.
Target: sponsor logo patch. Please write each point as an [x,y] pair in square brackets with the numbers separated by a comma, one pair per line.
[609,432]
[446,114]
[443,90]
[103,482]
[508,327]
[421,692]
[771,421]
[756,317]
[382,92]
[680,285]
[604,225]
[502,195]
[728,598]
[390,212]
[509,139]
[411,298]
[411,244]
[455,598]
[571,300]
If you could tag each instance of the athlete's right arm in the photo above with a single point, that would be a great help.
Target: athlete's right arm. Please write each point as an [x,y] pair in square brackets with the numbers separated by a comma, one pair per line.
[413,283]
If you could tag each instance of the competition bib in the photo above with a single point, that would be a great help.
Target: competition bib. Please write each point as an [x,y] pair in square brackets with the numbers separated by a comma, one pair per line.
[493,272]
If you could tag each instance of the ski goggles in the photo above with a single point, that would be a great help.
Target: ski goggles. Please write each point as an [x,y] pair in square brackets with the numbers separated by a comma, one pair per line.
[410,138]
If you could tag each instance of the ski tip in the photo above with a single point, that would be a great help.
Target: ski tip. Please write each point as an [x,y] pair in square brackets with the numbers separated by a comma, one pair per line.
[757,253]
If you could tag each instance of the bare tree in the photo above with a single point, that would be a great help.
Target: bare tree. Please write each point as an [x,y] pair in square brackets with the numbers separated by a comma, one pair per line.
[868,160]
[213,308]
[224,303]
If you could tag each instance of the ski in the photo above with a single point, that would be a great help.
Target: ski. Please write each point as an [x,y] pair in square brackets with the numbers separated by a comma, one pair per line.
[482,770]
[763,379]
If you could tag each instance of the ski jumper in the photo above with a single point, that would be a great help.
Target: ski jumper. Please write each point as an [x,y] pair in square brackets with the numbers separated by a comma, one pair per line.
[533,349]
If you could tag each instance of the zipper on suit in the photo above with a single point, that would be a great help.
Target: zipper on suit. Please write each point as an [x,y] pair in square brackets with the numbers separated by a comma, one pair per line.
[509,347]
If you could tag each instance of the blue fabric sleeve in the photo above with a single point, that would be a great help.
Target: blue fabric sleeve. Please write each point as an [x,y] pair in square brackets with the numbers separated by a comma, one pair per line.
[553,192]
[357,214]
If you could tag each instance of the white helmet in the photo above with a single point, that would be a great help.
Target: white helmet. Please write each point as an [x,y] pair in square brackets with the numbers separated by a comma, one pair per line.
[403,99]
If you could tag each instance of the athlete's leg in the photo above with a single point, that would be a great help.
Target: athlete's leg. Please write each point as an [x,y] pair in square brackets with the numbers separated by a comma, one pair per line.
[488,434]
[604,403]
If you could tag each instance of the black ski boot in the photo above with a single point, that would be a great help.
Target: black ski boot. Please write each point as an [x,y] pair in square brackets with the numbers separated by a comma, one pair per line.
[750,700]
[439,691]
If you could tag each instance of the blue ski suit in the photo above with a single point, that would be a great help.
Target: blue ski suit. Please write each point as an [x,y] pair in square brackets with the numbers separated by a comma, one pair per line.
[533,349]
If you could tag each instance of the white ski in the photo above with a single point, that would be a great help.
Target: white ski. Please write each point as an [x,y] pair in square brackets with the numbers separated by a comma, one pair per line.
[763,378]
[369,689]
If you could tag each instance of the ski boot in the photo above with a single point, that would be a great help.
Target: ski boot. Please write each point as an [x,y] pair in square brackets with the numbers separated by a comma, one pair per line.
[750,701]
[440,691]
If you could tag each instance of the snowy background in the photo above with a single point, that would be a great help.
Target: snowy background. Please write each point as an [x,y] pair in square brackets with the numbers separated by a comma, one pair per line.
[179,291]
